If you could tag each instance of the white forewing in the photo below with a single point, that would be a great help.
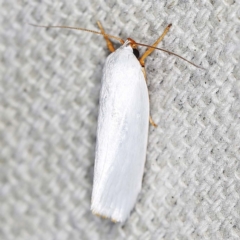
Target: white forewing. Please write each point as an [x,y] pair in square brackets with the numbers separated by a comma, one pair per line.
[121,136]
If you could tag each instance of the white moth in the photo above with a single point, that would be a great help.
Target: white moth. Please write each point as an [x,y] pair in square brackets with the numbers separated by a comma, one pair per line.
[121,136]
[122,131]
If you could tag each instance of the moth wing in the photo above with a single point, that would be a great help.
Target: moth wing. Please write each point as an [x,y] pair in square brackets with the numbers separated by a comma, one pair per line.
[121,137]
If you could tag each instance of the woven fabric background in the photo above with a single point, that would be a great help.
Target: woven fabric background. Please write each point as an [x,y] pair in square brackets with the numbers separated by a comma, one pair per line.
[49,93]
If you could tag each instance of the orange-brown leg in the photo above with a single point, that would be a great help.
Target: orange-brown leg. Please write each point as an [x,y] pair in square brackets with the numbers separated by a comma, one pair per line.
[152,122]
[150,50]
[150,119]
[109,43]
[146,54]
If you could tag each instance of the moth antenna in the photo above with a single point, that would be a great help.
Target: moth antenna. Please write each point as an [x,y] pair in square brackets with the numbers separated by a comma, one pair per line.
[81,29]
[171,53]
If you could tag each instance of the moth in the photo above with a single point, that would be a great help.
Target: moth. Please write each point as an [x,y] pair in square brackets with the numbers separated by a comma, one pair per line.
[123,124]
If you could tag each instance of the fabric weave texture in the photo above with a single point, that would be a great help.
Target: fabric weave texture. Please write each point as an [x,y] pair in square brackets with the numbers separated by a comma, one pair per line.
[49,93]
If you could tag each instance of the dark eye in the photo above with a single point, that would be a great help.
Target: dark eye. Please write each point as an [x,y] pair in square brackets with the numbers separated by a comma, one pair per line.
[136,53]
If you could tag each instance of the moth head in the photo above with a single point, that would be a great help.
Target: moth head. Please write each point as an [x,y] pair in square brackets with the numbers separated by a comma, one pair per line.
[134,45]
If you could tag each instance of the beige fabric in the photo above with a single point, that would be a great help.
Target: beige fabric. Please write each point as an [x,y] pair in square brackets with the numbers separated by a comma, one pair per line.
[49,90]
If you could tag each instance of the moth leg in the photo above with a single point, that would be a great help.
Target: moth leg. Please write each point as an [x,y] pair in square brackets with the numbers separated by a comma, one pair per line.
[109,43]
[146,54]
[144,74]
[150,50]
[150,118]
[152,122]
